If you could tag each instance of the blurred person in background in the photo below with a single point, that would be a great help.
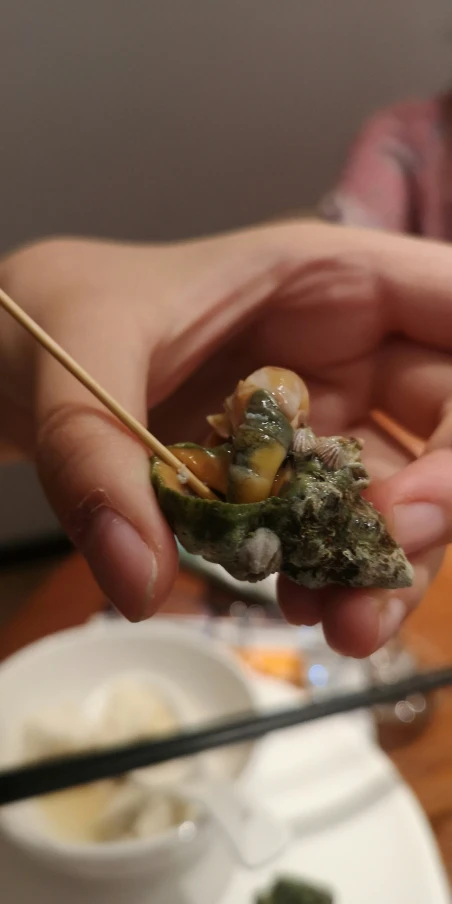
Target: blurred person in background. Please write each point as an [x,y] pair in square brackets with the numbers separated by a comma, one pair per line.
[398,173]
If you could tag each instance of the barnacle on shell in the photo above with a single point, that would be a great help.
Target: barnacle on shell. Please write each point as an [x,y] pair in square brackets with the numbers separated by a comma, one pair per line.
[260,554]
[288,501]
[337,452]
[304,441]
[330,450]
[361,477]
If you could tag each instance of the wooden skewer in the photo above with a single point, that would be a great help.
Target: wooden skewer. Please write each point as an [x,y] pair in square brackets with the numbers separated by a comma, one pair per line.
[127,419]
[407,441]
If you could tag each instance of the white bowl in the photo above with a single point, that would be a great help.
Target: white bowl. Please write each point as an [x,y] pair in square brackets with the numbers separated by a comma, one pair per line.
[205,681]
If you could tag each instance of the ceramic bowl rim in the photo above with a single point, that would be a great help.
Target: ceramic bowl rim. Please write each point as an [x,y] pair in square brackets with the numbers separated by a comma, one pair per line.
[130,849]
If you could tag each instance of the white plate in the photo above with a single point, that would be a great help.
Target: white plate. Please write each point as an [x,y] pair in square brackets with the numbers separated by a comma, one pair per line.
[359,829]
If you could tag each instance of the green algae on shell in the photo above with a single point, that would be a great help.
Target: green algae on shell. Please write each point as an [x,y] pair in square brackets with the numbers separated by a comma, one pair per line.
[318,531]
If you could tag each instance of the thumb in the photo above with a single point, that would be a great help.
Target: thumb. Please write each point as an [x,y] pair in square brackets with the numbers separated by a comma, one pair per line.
[418,502]
[96,475]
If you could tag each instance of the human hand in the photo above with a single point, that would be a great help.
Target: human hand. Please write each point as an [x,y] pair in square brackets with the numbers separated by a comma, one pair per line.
[365,318]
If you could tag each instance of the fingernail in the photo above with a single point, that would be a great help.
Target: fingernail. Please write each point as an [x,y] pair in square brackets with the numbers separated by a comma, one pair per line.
[419,525]
[122,563]
[392,614]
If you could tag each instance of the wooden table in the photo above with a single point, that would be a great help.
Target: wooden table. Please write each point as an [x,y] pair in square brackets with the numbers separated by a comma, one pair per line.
[67,596]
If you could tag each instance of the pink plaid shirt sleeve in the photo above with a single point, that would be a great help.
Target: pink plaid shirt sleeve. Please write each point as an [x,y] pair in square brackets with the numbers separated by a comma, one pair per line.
[392,177]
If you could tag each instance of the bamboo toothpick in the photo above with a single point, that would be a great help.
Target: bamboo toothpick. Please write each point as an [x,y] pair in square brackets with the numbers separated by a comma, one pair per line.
[127,419]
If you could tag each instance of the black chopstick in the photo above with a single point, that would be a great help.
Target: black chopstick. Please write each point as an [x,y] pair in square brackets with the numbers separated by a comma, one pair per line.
[79,769]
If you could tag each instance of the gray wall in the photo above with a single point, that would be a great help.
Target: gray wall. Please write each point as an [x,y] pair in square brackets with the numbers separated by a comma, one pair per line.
[162,118]
[140,119]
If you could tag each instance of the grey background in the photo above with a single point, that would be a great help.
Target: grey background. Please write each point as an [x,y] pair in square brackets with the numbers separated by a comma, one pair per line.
[165,119]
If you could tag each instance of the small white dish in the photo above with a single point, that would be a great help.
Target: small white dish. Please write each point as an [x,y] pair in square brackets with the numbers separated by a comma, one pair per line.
[206,684]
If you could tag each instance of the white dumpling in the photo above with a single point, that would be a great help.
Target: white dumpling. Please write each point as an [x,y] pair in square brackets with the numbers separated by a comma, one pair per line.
[118,817]
[55,732]
[131,711]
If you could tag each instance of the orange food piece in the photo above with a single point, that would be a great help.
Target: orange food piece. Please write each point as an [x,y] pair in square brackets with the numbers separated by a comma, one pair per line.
[283,664]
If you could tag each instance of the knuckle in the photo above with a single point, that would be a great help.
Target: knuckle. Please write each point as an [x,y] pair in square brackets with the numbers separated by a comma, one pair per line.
[37,252]
[39,268]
